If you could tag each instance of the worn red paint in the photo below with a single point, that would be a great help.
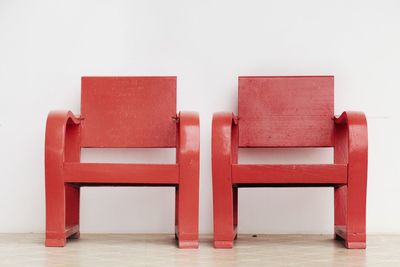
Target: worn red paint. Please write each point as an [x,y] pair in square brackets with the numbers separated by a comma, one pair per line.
[121,112]
[290,112]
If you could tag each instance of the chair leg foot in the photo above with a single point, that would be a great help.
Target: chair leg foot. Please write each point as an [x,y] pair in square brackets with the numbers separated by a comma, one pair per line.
[223,244]
[357,241]
[55,242]
[355,245]
[188,243]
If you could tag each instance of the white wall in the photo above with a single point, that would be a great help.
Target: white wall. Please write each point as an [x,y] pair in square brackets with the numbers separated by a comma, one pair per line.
[46,46]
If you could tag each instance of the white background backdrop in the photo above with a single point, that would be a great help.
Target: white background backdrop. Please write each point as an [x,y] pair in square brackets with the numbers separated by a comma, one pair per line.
[46,46]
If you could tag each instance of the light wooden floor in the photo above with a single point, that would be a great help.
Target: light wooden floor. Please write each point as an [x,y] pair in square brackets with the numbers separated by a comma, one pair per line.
[160,250]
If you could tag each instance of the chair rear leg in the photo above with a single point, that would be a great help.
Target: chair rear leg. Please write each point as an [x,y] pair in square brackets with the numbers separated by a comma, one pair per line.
[235,211]
[176,211]
[340,195]
[72,198]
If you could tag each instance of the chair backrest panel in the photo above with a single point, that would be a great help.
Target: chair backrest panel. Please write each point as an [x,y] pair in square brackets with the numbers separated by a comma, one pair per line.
[128,112]
[291,111]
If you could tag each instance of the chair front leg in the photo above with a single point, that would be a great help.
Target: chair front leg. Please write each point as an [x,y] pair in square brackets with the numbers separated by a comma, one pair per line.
[62,201]
[224,194]
[187,192]
[351,146]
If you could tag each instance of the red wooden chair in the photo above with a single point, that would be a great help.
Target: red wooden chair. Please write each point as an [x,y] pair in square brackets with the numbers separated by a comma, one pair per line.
[290,112]
[121,112]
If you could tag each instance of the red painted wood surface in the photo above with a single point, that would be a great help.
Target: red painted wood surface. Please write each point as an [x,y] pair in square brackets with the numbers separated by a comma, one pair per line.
[329,174]
[224,154]
[290,112]
[128,111]
[351,147]
[121,112]
[106,173]
[285,111]
[187,192]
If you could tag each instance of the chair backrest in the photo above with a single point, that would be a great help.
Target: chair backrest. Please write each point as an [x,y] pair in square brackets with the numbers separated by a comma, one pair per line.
[292,111]
[128,112]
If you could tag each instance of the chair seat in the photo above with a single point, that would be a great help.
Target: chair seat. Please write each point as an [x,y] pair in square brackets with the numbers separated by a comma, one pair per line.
[120,174]
[289,174]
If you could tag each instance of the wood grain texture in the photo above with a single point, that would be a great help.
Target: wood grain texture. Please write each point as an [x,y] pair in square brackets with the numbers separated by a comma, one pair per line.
[128,111]
[286,111]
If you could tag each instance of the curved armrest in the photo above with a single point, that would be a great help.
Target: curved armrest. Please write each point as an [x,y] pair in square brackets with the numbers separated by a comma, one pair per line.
[351,117]
[188,143]
[224,139]
[351,139]
[56,136]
